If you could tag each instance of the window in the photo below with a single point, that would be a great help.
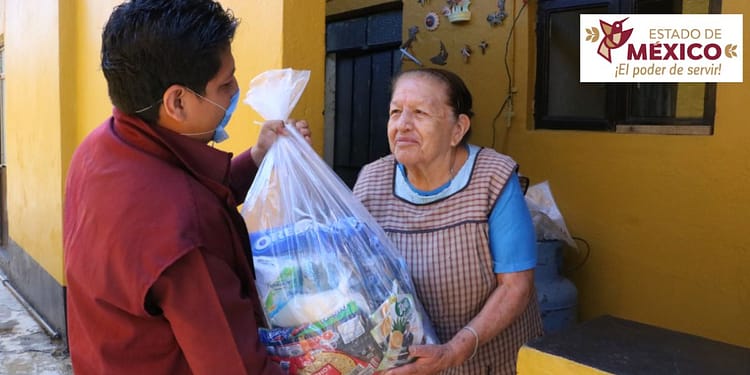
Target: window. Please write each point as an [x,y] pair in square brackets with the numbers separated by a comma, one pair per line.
[562,102]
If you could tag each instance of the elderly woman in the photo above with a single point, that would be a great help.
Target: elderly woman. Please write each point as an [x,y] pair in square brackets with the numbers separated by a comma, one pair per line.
[456,213]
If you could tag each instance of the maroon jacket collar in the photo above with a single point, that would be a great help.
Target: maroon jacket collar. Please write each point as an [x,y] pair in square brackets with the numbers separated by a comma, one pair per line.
[197,157]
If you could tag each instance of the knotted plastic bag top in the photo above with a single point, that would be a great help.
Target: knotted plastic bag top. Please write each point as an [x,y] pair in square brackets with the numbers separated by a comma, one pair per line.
[274,93]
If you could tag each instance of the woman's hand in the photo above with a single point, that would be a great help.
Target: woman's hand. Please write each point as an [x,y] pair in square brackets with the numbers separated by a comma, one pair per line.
[303,128]
[431,359]
[270,131]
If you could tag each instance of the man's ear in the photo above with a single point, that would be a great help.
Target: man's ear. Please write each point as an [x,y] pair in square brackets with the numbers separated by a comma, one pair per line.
[174,105]
[462,126]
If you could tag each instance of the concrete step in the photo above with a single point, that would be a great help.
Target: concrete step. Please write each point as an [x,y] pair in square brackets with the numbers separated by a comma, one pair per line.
[611,345]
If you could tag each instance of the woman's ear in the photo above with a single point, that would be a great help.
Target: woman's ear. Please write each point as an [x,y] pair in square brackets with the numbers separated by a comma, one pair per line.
[462,126]
[174,105]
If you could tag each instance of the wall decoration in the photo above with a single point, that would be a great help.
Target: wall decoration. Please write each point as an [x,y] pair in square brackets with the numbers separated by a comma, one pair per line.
[412,37]
[406,45]
[466,52]
[442,56]
[408,55]
[483,46]
[431,21]
[497,18]
[458,10]
[422,2]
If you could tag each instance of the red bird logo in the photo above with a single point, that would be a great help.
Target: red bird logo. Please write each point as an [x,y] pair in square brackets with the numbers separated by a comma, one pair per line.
[614,37]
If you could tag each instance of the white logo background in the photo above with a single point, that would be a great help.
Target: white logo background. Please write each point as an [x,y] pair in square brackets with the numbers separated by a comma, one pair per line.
[659,38]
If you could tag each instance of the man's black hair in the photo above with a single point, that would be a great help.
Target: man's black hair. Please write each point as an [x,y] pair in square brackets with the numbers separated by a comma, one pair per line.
[149,45]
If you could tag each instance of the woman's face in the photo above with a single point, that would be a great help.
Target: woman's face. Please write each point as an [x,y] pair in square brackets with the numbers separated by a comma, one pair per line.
[422,125]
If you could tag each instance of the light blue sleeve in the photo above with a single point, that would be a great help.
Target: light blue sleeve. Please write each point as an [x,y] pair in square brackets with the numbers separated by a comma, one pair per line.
[512,237]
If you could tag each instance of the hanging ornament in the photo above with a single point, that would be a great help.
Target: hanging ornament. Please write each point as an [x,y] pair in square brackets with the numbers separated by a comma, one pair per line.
[466,52]
[412,37]
[458,10]
[431,21]
[483,46]
[441,57]
[497,18]
[405,53]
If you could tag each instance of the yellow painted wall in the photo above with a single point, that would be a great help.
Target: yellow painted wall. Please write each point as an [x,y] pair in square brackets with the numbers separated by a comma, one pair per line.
[534,362]
[665,215]
[275,35]
[56,94]
[343,6]
[289,33]
[90,89]
[32,130]
[485,74]
[2,16]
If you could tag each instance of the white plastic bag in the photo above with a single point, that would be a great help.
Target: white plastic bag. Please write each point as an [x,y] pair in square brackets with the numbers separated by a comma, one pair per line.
[548,221]
[335,292]
[274,93]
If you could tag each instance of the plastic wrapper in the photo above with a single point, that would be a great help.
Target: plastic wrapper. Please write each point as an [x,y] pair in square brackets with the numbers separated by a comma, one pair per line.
[549,223]
[336,295]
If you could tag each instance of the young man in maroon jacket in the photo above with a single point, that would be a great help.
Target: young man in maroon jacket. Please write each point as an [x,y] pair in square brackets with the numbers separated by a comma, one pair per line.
[159,278]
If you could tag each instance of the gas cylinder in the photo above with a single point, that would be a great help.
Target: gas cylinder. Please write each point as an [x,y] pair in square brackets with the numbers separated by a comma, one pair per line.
[557,296]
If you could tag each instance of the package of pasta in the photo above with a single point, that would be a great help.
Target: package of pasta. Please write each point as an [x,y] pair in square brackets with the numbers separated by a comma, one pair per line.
[337,296]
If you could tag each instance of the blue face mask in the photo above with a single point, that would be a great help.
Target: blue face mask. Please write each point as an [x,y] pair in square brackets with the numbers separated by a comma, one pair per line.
[220,134]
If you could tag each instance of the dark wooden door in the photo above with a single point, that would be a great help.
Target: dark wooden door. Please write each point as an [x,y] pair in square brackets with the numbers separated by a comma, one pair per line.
[363,56]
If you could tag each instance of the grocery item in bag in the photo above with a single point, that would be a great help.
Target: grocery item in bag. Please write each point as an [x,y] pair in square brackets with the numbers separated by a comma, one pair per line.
[337,296]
